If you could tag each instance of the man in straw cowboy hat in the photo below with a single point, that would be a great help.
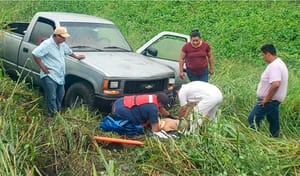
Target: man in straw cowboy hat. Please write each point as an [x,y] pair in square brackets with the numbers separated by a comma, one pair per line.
[49,56]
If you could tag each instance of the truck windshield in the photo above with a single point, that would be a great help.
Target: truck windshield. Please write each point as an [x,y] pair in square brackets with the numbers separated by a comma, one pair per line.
[101,37]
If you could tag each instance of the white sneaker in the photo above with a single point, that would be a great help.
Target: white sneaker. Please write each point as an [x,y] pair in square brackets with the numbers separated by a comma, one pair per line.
[200,121]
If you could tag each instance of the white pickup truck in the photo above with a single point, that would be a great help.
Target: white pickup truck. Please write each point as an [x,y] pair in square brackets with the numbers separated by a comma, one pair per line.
[111,68]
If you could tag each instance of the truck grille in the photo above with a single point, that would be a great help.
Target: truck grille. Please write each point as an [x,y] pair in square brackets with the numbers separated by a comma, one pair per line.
[145,86]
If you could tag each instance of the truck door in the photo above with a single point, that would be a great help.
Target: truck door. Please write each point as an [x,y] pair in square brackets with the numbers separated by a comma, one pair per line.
[42,30]
[165,48]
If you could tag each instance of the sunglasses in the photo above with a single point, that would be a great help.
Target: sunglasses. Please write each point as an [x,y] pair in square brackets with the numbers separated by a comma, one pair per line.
[61,36]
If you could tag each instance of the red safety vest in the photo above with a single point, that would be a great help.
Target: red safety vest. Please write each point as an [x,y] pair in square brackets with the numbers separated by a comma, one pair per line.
[136,100]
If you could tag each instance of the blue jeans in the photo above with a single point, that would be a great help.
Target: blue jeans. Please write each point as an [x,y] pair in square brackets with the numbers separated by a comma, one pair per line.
[193,77]
[54,94]
[269,110]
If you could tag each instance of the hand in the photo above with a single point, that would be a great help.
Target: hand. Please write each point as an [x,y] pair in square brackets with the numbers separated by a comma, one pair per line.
[211,71]
[182,75]
[172,116]
[80,56]
[263,102]
[45,69]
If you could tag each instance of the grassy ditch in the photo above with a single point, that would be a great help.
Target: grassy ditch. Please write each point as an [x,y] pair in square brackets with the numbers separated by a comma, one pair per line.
[30,144]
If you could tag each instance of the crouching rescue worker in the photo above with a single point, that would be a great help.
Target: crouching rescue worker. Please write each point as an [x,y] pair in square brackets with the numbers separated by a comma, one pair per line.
[201,97]
[144,110]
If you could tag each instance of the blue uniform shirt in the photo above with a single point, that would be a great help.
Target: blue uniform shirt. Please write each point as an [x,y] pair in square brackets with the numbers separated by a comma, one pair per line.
[137,114]
[53,56]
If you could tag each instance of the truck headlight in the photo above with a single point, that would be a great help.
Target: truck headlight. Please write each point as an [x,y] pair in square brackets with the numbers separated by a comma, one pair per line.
[171,80]
[113,84]
[111,87]
[110,84]
[171,84]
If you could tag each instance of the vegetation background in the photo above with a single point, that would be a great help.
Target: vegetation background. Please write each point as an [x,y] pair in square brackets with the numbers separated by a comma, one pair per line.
[29,145]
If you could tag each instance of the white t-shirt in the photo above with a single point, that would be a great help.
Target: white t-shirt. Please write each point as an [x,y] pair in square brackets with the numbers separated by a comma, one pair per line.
[197,91]
[275,71]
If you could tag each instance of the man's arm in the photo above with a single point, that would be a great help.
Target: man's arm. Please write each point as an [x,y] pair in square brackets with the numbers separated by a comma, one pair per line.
[183,111]
[273,89]
[163,111]
[43,67]
[211,62]
[181,63]
[155,127]
[78,56]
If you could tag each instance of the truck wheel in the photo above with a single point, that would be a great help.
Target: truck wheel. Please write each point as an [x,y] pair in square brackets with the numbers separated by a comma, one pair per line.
[79,94]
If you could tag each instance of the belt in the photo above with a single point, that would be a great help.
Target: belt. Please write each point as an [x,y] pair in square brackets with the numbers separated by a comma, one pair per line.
[259,99]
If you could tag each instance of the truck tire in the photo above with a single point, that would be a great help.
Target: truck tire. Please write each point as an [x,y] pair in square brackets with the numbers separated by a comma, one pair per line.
[79,94]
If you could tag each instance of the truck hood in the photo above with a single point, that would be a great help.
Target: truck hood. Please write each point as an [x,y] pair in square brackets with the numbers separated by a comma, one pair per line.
[126,64]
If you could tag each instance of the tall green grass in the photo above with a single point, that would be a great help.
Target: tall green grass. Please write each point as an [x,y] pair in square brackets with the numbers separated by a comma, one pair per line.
[64,146]
[18,128]
[30,144]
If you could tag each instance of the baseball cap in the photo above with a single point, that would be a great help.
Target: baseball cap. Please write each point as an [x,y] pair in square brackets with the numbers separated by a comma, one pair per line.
[61,31]
[163,99]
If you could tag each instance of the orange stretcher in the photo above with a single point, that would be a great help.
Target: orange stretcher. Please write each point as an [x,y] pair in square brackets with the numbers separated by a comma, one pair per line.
[118,140]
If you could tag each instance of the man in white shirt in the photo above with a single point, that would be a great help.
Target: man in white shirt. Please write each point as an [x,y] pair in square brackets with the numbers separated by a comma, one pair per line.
[49,55]
[271,91]
[204,98]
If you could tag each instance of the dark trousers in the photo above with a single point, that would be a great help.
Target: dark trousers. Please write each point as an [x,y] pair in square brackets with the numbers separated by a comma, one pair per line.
[271,111]
[54,94]
[193,77]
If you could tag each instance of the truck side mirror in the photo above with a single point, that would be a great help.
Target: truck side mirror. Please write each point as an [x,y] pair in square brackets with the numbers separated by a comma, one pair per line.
[152,51]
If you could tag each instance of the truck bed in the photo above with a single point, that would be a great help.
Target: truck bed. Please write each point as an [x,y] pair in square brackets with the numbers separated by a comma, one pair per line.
[18,28]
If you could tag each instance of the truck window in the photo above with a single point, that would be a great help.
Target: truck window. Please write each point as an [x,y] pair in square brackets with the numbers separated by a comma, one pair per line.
[168,47]
[42,30]
[17,27]
[95,35]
